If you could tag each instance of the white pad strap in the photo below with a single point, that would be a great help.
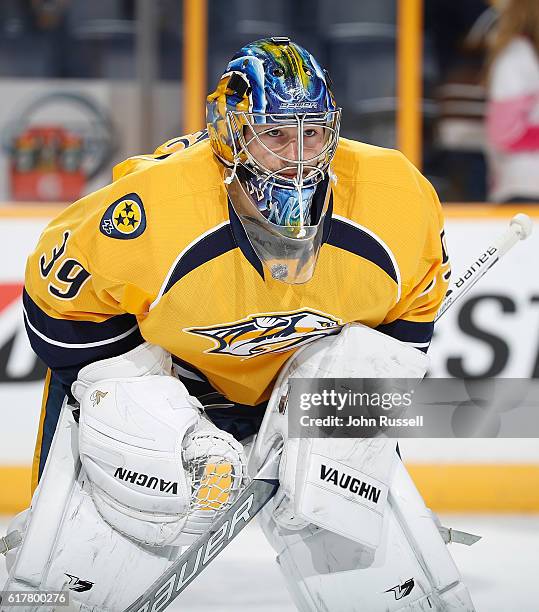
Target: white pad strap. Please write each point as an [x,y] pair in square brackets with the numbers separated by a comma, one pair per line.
[11,540]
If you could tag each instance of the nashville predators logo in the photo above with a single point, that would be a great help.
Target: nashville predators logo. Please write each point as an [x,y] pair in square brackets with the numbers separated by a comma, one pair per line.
[275,333]
[125,218]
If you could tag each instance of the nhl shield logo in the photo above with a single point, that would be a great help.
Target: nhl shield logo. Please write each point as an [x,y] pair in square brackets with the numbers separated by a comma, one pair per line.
[268,333]
[124,219]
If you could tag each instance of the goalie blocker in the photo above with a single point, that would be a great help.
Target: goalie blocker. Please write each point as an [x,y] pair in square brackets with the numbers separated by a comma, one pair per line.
[349,526]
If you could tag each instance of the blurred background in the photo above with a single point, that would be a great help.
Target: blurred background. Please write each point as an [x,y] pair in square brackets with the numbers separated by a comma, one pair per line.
[85,84]
[454,84]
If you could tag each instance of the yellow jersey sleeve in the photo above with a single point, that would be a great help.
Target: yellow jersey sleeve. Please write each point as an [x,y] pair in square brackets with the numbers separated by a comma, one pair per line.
[76,309]
[412,318]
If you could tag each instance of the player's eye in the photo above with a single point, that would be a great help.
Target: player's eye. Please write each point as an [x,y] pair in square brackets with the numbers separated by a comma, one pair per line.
[273,133]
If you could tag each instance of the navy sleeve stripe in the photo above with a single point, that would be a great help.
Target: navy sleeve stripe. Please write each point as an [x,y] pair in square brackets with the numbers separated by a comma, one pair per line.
[413,332]
[77,345]
[73,357]
[63,343]
[66,333]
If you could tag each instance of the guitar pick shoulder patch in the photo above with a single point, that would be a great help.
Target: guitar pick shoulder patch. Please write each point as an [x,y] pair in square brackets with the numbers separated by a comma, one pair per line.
[124,219]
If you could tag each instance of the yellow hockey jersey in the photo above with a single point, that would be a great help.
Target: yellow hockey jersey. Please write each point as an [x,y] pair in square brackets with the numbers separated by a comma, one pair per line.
[160,255]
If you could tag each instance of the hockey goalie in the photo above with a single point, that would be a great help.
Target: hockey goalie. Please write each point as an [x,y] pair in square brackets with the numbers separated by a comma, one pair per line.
[145,472]
[172,307]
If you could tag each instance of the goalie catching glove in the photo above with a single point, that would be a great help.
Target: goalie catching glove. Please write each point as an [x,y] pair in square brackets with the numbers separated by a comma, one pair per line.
[153,470]
[160,471]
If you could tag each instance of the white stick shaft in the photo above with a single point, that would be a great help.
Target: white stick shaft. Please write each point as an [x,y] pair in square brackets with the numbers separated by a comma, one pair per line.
[481,265]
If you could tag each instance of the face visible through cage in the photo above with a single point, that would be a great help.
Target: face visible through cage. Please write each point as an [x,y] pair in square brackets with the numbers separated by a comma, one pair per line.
[290,151]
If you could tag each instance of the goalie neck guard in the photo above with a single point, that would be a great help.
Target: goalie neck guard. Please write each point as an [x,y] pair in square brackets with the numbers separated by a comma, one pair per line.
[273,123]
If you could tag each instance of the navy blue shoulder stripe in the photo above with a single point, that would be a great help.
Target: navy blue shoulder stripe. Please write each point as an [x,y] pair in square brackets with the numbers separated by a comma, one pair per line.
[413,332]
[212,245]
[226,237]
[62,343]
[352,238]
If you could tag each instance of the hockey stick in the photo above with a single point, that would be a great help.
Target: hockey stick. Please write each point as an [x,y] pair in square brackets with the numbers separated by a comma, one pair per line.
[189,565]
[265,484]
[520,227]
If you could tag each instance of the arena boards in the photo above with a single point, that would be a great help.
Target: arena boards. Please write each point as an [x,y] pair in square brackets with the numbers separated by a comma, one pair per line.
[494,331]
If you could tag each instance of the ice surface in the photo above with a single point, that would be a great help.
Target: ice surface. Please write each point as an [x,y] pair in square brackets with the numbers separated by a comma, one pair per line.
[501,569]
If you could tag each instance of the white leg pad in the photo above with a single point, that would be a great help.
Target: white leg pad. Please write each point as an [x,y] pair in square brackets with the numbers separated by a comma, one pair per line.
[66,539]
[410,570]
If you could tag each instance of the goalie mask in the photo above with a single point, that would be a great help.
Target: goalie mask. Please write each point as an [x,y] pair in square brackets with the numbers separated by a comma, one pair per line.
[273,123]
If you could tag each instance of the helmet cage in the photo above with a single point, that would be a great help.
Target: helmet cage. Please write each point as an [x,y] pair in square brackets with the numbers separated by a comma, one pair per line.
[308,171]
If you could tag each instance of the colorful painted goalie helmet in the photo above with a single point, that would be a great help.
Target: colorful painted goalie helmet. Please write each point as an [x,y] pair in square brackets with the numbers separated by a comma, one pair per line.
[274,124]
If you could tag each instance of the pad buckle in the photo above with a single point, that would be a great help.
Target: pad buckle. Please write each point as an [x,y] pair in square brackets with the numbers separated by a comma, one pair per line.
[10,541]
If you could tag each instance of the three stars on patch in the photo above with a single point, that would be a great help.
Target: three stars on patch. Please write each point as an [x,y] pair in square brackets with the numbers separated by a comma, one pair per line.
[124,219]
[127,217]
